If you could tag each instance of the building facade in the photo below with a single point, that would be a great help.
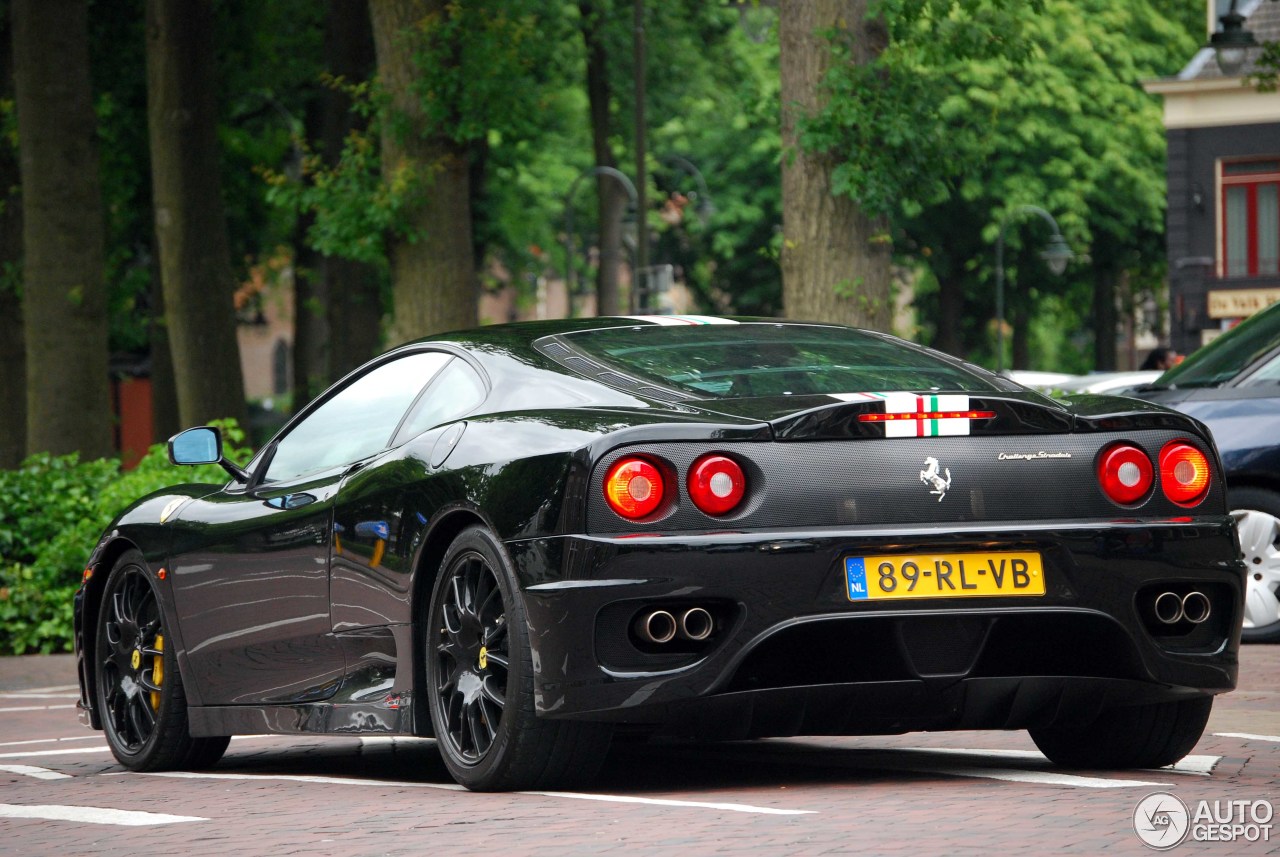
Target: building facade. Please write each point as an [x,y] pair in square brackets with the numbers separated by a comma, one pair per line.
[1223,138]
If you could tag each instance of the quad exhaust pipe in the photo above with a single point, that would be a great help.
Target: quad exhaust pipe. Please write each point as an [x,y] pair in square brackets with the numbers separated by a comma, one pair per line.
[1171,608]
[662,626]
[696,624]
[656,626]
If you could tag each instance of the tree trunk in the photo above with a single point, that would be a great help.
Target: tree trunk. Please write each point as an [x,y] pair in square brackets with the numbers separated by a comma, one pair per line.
[310,318]
[1021,335]
[355,314]
[191,229]
[835,259]
[611,199]
[350,290]
[950,337]
[1106,279]
[166,421]
[64,297]
[432,275]
[13,360]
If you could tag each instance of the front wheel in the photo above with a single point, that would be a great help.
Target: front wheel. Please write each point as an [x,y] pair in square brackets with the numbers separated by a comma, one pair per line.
[479,680]
[139,689]
[1257,514]
[1136,736]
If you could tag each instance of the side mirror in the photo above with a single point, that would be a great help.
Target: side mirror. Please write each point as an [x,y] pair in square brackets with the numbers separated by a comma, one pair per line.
[202,445]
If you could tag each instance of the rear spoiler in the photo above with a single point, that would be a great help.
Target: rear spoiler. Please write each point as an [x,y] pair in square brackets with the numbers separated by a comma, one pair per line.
[875,415]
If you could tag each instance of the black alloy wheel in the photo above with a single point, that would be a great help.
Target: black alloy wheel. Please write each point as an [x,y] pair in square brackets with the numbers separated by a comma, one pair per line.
[473,661]
[139,689]
[479,681]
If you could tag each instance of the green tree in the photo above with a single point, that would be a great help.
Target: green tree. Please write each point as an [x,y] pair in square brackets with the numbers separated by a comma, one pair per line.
[1071,131]
[979,106]
[64,300]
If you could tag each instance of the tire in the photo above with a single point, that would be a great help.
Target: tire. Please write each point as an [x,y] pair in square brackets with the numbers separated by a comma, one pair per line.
[1257,514]
[139,688]
[1139,736]
[479,681]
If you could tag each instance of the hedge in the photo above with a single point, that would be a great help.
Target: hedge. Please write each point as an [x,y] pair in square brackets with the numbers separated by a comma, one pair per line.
[53,509]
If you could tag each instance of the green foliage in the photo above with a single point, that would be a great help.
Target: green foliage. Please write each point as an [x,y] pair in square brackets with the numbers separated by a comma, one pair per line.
[881,119]
[477,67]
[1267,68]
[52,511]
[721,114]
[979,106]
[353,210]
[480,68]
[269,61]
[117,46]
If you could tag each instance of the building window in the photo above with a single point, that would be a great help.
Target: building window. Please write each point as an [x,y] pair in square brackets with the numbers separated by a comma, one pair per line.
[1251,218]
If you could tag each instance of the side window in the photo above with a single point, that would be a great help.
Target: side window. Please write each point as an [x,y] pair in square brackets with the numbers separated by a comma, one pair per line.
[457,390]
[358,420]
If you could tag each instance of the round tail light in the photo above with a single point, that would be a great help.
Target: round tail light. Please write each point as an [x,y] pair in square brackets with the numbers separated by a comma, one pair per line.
[1184,473]
[633,488]
[1125,474]
[716,484]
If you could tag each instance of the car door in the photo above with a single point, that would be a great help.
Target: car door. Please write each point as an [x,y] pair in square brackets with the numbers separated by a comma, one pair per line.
[371,558]
[250,564]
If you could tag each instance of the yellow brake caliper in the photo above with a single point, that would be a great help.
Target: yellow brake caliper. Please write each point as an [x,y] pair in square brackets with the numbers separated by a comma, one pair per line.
[157,672]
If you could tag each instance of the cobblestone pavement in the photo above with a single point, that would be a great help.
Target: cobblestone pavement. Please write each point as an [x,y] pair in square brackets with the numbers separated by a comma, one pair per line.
[980,793]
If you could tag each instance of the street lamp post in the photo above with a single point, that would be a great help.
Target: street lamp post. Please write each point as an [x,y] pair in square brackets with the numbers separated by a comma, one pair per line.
[569,250]
[1231,44]
[1056,254]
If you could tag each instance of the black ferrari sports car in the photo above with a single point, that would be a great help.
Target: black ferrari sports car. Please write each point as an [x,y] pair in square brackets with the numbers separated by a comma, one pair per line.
[523,539]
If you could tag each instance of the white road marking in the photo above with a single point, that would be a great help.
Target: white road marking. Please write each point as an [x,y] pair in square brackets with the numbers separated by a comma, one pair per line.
[32,771]
[24,694]
[1202,765]
[292,778]
[1197,765]
[92,815]
[36,708]
[1046,778]
[1247,736]
[58,688]
[97,737]
[454,787]
[654,801]
[26,754]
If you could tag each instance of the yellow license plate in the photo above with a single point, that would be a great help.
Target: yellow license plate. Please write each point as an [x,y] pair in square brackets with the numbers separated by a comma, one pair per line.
[943,575]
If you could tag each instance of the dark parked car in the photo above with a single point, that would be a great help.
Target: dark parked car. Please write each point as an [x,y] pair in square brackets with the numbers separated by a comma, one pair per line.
[521,539]
[1233,386]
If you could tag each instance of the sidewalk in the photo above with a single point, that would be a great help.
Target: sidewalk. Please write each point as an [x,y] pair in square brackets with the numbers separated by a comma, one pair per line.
[27,671]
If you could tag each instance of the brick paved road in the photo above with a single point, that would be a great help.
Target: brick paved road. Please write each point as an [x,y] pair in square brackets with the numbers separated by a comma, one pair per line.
[983,793]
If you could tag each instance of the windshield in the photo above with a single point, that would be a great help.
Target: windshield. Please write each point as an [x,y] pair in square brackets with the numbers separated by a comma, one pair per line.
[746,360]
[1225,357]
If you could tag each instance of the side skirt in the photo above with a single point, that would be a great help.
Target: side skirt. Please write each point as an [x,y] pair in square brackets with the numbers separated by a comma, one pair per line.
[390,716]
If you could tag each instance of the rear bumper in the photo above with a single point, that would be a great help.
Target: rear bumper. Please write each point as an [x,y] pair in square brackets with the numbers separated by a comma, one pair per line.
[793,655]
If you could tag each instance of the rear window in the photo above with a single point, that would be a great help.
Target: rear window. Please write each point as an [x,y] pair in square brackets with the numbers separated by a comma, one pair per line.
[746,360]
